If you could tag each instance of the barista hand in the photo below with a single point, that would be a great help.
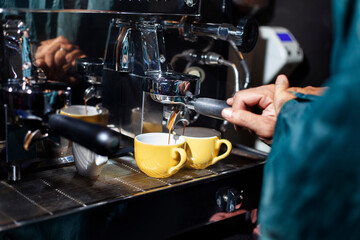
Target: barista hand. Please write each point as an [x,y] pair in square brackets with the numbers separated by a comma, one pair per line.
[269,99]
[242,111]
[283,93]
[56,56]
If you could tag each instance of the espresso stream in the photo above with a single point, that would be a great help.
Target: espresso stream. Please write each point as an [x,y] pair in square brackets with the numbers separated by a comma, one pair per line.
[85,103]
[170,125]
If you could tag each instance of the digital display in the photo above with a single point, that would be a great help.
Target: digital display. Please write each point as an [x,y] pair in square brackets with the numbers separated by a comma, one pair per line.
[284,37]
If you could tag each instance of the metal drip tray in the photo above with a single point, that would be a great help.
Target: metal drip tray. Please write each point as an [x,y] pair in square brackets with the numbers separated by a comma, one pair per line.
[57,192]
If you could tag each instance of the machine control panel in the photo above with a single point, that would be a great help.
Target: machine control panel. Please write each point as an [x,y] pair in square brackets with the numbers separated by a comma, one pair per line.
[283,52]
[284,37]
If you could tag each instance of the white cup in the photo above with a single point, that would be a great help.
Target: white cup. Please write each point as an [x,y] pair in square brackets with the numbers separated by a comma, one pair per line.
[87,162]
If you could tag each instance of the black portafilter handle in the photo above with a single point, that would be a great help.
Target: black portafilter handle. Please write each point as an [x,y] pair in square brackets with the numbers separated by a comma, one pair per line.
[209,107]
[94,137]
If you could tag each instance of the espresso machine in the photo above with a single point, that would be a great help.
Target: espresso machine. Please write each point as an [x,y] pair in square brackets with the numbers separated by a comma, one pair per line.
[140,87]
[141,84]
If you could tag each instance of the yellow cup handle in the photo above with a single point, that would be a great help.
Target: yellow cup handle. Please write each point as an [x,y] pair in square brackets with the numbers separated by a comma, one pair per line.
[182,153]
[225,154]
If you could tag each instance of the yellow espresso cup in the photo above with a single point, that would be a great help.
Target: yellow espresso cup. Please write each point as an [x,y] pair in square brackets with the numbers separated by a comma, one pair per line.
[202,146]
[90,114]
[156,157]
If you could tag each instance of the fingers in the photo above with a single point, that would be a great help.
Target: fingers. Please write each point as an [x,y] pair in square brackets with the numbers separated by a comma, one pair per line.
[282,93]
[263,126]
[259,96]
[226,113]
[49,48]
[41,63]
[242,118]
[230,101]
[281,83]
[70,58]
[73,55]
[241,113]
[61,55]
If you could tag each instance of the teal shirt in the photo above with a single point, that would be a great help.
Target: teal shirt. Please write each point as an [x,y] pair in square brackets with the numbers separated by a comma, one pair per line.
[311,186]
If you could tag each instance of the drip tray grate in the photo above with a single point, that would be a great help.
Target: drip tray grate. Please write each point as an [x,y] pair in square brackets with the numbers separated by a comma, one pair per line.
[57,191]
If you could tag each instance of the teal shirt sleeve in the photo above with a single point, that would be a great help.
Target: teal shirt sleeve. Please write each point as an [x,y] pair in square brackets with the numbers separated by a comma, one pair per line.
[311,187]
[311,184]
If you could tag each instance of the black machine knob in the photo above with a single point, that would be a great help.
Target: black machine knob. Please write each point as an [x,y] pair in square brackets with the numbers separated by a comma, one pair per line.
[246,34]
[227,199]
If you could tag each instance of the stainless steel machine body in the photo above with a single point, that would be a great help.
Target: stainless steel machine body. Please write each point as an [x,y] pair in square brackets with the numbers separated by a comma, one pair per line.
[137,71]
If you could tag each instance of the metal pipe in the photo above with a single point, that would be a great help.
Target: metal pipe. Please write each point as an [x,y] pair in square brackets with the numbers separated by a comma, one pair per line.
[235,70]
[242,64]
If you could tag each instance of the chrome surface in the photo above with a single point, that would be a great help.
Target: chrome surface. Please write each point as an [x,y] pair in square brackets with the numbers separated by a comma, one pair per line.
[209,58]
[136,47]
[17,59]
[244,35]
[136,71]
[172,88]
[90,69]
[14,46]
[135,61]
[178,117]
